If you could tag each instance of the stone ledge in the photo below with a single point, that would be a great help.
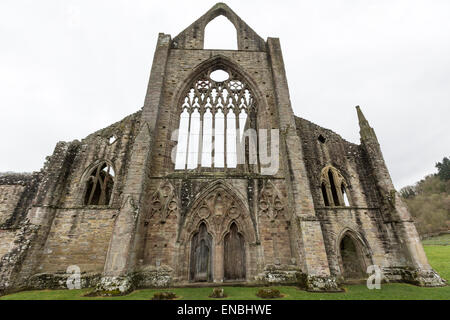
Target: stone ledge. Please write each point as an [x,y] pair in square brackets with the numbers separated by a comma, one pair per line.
[43,281]
[418,277]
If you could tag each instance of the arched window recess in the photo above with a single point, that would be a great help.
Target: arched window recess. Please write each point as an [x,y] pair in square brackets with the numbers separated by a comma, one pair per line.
[334,188]
[99,185]
[216,112]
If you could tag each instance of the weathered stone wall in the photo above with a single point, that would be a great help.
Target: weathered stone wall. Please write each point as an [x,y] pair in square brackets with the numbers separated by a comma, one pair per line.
[193,36]
[363,217]
[6,239]
[10,196]
[167,240]
[347,157]
[97,147]
[64,231]
[366,229]
[273,246]
[78,237]
[80,234]
[16,194]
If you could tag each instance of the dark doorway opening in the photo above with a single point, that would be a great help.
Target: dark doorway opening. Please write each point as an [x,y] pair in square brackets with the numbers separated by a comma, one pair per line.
[352,262]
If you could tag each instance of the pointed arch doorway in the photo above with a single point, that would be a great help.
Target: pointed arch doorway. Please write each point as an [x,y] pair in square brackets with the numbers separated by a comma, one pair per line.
[201,253]
[352,262]
[219,218]
[234,255]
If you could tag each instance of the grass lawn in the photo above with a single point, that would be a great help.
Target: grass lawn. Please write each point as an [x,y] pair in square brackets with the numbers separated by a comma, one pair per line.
[438,240]
[438,255]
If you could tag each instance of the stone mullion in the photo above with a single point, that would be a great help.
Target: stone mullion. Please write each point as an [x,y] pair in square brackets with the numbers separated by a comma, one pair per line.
[339,190]
[329,193]
[225,114]
[238,141]
[253,125]
[200,139]
[94,185]
[103,184]
[213,138]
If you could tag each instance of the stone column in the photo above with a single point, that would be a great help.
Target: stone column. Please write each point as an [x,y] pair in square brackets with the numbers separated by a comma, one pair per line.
[306,227]
[218,262]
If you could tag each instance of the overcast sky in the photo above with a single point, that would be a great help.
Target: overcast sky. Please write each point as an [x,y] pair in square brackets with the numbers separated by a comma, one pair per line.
[69,68]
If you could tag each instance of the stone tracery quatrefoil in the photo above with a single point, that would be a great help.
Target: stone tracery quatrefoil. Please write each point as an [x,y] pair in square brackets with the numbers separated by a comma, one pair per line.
[270,203]
[218,207]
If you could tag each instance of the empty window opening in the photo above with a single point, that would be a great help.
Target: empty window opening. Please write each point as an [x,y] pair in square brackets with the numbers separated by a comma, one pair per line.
[99,185]
[219,75]
[344,196]
[183,134]
[333,188]
[322,139]
[219,140]
[324,195]
[112,139]
[220,33]
[214,115]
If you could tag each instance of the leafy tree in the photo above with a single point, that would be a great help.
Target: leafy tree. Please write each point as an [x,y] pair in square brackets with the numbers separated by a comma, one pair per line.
[444,169]
[408,192]
[429,200]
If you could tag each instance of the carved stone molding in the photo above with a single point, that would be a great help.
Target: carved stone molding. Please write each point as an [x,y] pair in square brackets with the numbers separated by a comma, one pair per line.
[270,202]
[218,207]
[164,202]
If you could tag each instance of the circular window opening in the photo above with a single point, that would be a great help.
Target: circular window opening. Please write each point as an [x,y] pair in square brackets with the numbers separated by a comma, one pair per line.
[219,75]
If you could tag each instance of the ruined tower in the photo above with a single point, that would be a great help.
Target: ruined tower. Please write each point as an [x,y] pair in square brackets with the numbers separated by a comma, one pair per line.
[214,180]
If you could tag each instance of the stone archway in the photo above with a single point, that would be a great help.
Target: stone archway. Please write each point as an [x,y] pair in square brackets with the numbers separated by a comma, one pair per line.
[232,236]
[201,255]
[352,261]
[234,255]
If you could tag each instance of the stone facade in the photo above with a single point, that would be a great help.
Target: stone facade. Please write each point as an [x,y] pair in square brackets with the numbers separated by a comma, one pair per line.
[114,205]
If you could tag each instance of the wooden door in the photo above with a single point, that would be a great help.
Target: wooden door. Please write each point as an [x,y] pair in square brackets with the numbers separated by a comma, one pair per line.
[201,255]
[234,255]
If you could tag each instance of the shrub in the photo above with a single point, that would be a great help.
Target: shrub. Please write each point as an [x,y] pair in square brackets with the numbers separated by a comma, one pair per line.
[104,293]
[164,296]
[217,293]
[269,293]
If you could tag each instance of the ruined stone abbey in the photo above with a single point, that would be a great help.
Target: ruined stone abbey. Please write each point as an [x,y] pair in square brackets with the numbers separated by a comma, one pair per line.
[136,205]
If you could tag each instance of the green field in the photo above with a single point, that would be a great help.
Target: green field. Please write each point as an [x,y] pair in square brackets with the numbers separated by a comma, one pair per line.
[438,255]
[439,240]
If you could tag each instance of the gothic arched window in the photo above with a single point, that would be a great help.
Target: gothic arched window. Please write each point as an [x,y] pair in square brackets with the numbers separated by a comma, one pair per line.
[333,187]
[215,110]
[220,33]
[99,185]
